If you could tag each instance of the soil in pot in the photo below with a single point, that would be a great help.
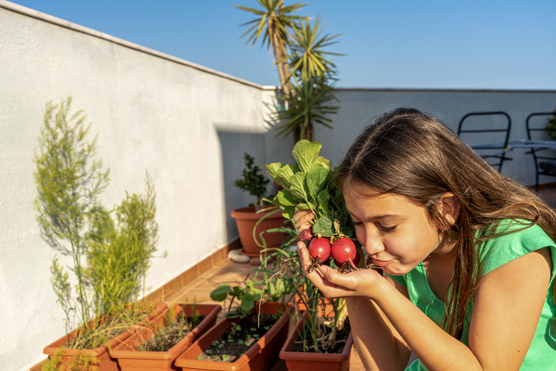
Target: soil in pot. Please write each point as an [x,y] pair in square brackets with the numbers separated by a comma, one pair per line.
[171,334]
[238,338]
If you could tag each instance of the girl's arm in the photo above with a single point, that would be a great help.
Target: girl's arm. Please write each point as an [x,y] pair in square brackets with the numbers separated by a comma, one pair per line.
[379,345]
[507,307]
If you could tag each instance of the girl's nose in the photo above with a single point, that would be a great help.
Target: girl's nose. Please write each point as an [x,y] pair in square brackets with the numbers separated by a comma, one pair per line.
[373,245]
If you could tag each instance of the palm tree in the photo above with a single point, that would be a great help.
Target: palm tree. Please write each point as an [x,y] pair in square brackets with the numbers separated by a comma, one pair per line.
[308,104]
[308,57]
[274,22]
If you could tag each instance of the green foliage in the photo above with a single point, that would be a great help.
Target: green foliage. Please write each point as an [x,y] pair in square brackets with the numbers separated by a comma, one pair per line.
[551,126]
[308,58]
[309,185]
[252,180]
[110,258]
[69,181]
[310,104]
[247,297]
[80,363]
[304,65]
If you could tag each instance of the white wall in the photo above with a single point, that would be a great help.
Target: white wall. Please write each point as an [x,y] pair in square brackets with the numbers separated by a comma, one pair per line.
[359,107]
[185,124]
[188,126]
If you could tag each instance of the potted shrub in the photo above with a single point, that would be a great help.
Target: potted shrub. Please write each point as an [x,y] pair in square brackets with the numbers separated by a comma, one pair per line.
[248,339]
[110,251]
[157,345]
[253,220]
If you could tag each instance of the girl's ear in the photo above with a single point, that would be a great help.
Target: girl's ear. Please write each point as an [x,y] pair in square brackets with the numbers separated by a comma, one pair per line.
[450,208]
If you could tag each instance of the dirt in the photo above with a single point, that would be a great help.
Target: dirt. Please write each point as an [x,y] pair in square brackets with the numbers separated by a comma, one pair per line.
[171,334]
[308,345]
[235,341]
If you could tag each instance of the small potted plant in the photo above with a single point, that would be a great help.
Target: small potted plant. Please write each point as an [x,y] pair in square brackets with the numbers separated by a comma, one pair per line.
[253,220]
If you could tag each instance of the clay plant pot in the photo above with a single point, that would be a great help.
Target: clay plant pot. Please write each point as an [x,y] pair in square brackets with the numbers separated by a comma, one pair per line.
[100,356]
[262,355]
[300,361]
[326,311]
[131,359]
[246,218]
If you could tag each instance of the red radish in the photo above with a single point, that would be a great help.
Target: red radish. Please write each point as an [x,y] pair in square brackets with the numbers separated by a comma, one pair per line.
[319,248]
[355,261]
[343,250]
[305,235]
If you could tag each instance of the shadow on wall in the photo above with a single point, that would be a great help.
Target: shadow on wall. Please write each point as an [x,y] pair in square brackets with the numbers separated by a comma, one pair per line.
[233,145]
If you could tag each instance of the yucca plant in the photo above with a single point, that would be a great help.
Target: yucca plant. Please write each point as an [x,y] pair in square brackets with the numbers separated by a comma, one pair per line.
[302,61]
[310,104]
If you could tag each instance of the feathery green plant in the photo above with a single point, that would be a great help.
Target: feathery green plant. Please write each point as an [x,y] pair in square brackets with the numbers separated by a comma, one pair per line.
[110,257]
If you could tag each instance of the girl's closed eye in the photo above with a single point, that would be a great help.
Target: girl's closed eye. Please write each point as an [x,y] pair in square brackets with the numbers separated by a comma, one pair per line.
[386,229]
[356,224]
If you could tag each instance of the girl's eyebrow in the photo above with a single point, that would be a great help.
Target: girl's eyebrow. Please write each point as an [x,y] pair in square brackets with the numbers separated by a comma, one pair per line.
[385,216]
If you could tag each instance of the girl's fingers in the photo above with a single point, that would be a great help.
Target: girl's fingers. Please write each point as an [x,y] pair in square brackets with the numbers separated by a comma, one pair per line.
[302,219]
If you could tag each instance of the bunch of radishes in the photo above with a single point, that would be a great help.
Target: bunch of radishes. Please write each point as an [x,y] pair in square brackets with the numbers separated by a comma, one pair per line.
[342,249]
[310,184]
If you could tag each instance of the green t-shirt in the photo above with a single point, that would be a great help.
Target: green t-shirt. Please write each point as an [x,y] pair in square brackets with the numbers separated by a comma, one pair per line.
[493,254]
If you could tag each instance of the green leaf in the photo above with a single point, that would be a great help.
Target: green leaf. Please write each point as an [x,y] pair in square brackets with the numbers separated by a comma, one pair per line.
[299,187]
[306,153]
[288,212]
[221,292]
[316,179]
[248,302]
[285,198]
[302,206]
[274,171]
[324,226]
[225,357]
[321,161]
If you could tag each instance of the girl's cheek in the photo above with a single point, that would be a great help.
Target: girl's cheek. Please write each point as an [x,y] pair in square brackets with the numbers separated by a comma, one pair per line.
[361,235]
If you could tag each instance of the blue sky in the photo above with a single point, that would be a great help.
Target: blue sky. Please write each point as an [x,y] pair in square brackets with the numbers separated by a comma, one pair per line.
[491,44]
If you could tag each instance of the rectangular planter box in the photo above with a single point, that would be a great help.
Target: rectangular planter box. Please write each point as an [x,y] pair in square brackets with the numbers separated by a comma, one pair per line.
[131,359]
[260,357]
[100,354]
[301,361]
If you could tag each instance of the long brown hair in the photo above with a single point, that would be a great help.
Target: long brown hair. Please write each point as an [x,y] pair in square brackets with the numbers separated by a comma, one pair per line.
[409,153]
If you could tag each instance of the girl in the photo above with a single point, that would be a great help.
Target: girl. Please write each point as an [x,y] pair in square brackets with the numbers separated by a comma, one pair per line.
[467,254]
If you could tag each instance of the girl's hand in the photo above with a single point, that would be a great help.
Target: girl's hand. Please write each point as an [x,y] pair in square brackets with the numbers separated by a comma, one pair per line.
[333,284]
[302,219]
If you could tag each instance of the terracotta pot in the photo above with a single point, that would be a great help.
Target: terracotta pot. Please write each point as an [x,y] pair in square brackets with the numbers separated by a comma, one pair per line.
[131,359]
[260,357]
[105,362]
[300,361]
[246,218]
[327,311]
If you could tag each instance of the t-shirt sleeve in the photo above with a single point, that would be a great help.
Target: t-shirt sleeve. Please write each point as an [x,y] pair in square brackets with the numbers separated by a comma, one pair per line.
[399,279]
[498,251]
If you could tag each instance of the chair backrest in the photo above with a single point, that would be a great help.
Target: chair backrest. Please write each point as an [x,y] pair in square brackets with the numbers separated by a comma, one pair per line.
[498,141]
[540,130]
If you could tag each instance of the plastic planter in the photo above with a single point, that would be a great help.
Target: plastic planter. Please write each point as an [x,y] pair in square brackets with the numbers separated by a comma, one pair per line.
[300,361]
[131,359]
[260,357]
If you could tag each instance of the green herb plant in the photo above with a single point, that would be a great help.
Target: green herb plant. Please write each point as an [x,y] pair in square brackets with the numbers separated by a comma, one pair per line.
[550,126]
[108,251]
[247,296]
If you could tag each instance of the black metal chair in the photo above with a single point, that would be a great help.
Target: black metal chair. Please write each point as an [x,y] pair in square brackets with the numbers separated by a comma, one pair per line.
[545,159]
[500,147]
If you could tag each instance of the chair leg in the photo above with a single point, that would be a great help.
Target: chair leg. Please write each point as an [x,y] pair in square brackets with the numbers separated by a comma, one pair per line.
[537,182]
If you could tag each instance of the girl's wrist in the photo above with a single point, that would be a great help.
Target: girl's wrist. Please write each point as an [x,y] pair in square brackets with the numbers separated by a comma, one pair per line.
[379,289]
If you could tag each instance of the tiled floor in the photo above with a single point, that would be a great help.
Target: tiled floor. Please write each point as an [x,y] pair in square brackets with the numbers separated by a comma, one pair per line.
[233,273]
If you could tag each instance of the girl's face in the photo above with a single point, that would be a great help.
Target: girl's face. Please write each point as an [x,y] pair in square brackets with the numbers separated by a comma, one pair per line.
[396,232]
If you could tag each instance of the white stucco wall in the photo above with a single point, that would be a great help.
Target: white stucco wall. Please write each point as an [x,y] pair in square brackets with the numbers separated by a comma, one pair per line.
[184,124]
[359,107]
[187,125]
